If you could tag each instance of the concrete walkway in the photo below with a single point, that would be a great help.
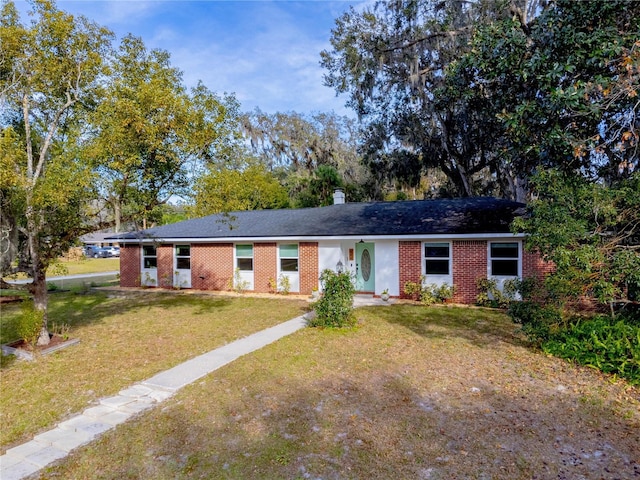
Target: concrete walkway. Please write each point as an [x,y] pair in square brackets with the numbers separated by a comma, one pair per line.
[46,448]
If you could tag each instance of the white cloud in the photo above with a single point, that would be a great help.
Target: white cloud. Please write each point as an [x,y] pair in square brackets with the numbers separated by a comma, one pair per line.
[125,12]
[265,52]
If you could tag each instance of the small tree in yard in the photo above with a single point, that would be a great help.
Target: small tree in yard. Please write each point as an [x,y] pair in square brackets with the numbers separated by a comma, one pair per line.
[49,78]
[335,308]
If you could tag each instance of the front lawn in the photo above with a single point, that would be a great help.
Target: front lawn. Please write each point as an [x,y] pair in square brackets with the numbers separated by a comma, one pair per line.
[122,341]
[76,267]
[413,392]
[87,265]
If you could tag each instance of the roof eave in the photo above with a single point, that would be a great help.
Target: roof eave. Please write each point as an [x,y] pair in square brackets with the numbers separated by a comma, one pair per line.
[318,238]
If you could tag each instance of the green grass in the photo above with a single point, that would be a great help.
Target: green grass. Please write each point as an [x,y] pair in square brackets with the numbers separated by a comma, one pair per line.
[122,341]
[412,392]
[91,265]
[77,267]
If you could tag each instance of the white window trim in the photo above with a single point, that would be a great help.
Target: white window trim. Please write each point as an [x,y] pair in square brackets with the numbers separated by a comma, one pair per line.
[490,258]
[294,277]
[148,276]
[181,277]
[437,279]
[143,256]
[236,257]
[176,256]
[245,275]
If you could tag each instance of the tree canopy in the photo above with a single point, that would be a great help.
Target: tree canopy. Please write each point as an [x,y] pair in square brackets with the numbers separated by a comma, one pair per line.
[149,132]
[86,128]
[310,154]
[226,190]
[489,92]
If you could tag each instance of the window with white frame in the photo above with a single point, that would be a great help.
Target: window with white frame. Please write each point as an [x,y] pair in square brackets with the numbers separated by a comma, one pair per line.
[288,257]
[437,259]
[244,257]
[149,257]
[183,257]
[504,259]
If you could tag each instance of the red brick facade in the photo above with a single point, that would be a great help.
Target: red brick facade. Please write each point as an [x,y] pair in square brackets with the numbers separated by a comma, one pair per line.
[211,265]
[130,265]
[308,266]
[165,265]
[469,258]
[410,263]
[469,264]
[265,266]
[534,266]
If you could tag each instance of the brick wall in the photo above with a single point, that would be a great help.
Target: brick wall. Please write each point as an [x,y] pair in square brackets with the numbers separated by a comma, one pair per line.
[211,265]
[308,266]
[409,263]
[130,265]
[469,263]
[265,266]
[534,266]
[165,265]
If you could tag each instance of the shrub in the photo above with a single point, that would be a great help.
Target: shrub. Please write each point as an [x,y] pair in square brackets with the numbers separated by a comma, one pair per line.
[236,283]
[273,285]
[281,285]
[428,294]
[538,322]
[335,307]
[30,323]
[284,284]
[610,345]
[489,295]
[413,289]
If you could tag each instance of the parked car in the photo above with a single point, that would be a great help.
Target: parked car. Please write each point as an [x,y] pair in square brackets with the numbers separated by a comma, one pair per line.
[93,251]
[89,250]
[114,251]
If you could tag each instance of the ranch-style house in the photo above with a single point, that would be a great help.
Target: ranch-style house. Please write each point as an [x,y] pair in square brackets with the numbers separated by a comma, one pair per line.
[383,245]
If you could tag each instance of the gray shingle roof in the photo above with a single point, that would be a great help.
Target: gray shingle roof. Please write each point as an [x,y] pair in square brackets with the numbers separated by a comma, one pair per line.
[418,217]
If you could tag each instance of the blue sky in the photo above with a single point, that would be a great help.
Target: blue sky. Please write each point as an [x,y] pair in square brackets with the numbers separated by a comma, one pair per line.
[265,52]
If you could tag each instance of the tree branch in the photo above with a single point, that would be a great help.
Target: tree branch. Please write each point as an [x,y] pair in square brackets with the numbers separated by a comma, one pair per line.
[50,133]
[431,36]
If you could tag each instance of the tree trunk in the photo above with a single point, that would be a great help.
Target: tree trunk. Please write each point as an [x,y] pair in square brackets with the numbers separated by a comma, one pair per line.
[40,301]
[38,287]
[38,290]
[117,214]
[516,185]
[521,189]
